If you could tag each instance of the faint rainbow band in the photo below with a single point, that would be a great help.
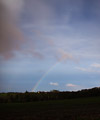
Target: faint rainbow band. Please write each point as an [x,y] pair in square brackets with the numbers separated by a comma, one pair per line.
[43,76]
[64,57]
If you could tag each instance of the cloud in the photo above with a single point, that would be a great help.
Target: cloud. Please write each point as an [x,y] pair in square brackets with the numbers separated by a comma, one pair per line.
[41,12]
[96,65]
[44,16]
[45,27]
[63,56]
[84,69]
[54,84]
[87,69]
[71,85]
[74,87]
[11,37]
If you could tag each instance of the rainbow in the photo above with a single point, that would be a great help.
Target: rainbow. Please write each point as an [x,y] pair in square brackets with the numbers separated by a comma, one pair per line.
[63,57]
[43,76]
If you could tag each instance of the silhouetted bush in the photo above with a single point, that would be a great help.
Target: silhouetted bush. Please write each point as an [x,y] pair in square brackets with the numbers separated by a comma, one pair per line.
[44,96]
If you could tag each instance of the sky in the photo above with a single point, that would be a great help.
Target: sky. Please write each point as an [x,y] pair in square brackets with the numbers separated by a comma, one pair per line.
[49,45]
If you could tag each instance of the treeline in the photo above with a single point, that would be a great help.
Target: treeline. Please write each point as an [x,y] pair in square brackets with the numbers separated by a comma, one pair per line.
[44,96]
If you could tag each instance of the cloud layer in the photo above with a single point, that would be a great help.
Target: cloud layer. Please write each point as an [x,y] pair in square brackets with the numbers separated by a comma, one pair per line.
[96,65]
[54,28]
[93,68]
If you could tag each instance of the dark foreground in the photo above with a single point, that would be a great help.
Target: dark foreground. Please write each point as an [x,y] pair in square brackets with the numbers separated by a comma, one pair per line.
[72,109]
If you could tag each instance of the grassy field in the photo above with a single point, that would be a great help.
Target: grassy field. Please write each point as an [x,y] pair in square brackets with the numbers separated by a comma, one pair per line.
[72,109]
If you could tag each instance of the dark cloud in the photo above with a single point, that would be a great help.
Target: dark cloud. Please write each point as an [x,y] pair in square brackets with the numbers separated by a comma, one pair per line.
[11,37]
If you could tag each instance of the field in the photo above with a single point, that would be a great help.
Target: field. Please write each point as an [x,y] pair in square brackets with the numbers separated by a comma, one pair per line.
[71,109]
